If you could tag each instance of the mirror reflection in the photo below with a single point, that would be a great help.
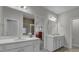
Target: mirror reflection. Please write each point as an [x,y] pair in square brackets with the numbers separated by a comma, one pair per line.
[52,25]
[28,26]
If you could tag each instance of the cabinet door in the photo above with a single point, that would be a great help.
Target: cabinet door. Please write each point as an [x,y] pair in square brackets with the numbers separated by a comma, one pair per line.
[54,44]
[62,42]
[36,45]
[50,44]
[28,48]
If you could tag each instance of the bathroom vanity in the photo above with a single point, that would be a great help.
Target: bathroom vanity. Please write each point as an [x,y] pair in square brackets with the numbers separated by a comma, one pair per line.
[12,25]
[54,42]
[25,44]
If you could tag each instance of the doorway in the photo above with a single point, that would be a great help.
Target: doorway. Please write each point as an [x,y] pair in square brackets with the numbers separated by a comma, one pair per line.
[75,33]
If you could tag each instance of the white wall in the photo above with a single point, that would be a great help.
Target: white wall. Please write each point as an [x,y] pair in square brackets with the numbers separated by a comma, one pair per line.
[65,25]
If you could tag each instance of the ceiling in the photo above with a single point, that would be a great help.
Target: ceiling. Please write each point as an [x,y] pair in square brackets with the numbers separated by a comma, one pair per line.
[26,15]
[60,9]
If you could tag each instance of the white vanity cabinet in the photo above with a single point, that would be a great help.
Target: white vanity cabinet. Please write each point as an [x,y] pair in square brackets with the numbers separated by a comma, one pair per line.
[22,46]
[54,43]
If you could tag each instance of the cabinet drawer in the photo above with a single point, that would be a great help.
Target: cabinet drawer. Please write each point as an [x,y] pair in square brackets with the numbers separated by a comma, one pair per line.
[50,44]
[17,45]
[11,50]
[28,48]
[2,48]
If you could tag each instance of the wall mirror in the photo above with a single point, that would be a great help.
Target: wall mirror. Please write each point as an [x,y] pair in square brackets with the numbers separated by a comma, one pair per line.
[52,25]
[28,26]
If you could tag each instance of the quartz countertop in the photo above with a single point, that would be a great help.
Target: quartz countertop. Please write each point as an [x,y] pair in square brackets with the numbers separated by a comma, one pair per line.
[7,39]
[55,35]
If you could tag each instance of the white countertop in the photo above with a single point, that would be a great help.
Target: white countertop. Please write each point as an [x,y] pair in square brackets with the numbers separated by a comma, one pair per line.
[55,36]
[7,39]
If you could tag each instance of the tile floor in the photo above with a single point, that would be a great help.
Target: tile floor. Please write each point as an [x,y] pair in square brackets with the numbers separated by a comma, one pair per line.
[74,49]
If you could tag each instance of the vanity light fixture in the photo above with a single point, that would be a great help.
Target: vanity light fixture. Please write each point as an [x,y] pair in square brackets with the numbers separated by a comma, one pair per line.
[24,7]
[52,18]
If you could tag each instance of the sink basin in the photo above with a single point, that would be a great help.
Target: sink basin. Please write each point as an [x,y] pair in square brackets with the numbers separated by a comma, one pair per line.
[55,35]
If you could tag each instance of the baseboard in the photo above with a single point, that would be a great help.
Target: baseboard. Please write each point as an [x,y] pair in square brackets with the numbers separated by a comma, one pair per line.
[75,45]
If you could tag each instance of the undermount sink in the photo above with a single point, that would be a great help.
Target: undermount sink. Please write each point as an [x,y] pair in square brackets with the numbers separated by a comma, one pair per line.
[55,35]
